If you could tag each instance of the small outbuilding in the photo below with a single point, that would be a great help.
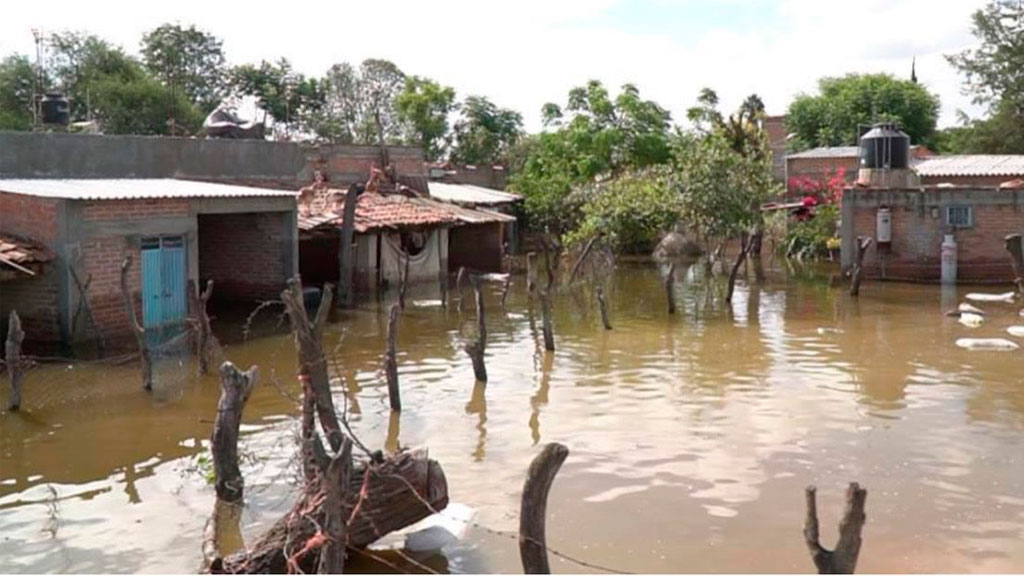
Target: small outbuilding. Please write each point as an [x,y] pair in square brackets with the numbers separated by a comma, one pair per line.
[485,236]
[179,234]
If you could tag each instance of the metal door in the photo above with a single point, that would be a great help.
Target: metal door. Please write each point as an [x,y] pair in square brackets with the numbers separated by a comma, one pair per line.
[164,277]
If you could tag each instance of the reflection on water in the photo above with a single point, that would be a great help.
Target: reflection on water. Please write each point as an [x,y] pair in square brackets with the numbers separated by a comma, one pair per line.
[691,437]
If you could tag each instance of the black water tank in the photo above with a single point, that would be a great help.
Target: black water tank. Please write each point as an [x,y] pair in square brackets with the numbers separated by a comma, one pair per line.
[55,109]
[884,146]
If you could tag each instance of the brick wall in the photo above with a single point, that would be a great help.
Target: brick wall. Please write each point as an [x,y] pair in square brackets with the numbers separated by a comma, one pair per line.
[29,217]
[477,247]
[775,129]
[35,298]
[819,169]
[918,226]
[242,254]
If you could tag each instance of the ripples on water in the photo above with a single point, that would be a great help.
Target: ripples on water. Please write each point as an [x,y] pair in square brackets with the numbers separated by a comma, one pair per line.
[691,437]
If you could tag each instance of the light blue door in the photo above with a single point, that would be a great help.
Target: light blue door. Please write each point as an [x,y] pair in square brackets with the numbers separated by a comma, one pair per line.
[164,276]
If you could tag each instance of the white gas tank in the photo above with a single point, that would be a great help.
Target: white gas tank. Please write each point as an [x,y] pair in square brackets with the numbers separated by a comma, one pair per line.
[948,256]
[883,226]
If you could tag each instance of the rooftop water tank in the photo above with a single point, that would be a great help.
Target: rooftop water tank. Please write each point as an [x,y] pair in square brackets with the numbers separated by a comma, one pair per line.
[884,147]
[55,109]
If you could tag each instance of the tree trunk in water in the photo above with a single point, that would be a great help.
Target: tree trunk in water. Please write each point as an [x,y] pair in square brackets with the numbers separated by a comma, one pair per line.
[345,287]
[204,337]
[604,308]
[235,388]
[458,286]
[391,360]
[842,560]
[745,245]
[545,310]
[403,281]
[380,497]
[583,256]
[1013,246]
[138,331]
[338,477]
[531,273]
[12,351]
[533,510]
[863,242]
[476,349]
[547,265]
[223,532]
[670,288]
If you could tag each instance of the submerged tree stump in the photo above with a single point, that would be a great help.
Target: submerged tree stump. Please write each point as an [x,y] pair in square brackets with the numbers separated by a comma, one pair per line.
[746,243]
[204,337]
[547,264]
[533,510]
[145,360]
[403,281]
[1013,246]
[670,288]
[391,360]
[545,311]
[842,560]
[235,388]
[863,243]
[583,257]
[476,348]
[346,290]
[603,305]
[12,357]
[531,273]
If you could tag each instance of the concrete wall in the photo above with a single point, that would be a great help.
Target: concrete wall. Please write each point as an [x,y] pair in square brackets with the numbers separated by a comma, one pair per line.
[286,165]
[918,226]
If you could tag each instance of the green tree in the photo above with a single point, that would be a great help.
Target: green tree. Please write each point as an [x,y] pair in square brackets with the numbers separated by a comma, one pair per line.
[77,61]
[1002,132]
[187,59]
[141,107]
[17,81]
[293,101]
[380,83]
[485,133]
[339,120]
[423,106]
[832,117]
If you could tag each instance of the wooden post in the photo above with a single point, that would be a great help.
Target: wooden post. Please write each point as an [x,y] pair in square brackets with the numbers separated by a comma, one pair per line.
[235,388]
[604,308]
[458,286]
[547,264]
[842,560]
[1013,246]
[504,288]
[863,242]
[670,288]
[403,280]
[533,510]
[346,289]
[138,331]
[476,349]
[531,272]
[583,256]
[746,243]
[84,306]
[15,336]
[204,345]
[545,310]
[338,476]
[391,361]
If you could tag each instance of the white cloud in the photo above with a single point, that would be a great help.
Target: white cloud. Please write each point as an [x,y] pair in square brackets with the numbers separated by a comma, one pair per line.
[522,54]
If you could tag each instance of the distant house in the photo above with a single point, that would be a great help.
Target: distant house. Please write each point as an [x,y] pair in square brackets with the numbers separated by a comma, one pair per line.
[178,233]
[775,129]
[481,245]
[971,170]
[819,164]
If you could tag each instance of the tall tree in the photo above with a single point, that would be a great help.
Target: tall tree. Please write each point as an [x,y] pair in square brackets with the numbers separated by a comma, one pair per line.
[484,132]
[340,118]
[187,59]
[78,60]
[17,82]
[292,100]
[380,83]
[423,107]
[833,116]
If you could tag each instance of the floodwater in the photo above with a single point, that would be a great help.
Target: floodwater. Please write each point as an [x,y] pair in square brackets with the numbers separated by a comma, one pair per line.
[691,437]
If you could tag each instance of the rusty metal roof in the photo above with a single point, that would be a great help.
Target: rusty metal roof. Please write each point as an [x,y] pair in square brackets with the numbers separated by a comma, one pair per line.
[470,194]
[21,255]
[132,188]
[972,165]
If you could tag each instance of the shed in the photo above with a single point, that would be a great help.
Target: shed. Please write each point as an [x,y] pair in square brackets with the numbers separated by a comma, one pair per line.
[178,233]
[480,245]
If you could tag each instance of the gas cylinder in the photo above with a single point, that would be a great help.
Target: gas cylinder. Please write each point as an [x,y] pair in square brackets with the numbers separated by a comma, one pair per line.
[883,226]
[948,260]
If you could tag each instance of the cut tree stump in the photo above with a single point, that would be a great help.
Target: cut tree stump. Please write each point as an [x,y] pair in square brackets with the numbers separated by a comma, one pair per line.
[12,357]
[391,360]
[346,290]
[603,305]
[670,288]
[545,311]
[205,343]
[145,360]
[235,388]
[842,560]
[533,510]
[863,243]
[476,348]
[531,273]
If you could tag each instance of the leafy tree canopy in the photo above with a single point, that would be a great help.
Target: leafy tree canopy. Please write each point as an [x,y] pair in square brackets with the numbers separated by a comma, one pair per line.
[187,59]
[423,107]
[485,133]
[17,80]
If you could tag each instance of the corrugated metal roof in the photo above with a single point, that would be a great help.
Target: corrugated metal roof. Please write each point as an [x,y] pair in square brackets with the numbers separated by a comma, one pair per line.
[830,152]
[470,194]
[972,165]
[141,188]
[468,215]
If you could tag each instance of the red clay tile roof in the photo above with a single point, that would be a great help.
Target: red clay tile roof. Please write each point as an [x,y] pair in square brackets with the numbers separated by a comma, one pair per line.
[21,253]
[378,211]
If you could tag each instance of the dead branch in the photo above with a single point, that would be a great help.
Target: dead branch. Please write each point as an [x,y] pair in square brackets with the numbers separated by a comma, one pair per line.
[391,361]
[604,308]
[533,509]
[235,388]
[205,341]
[15,369]
[842,560]
[863,242]
[583,256]
[746,243]
[138,331]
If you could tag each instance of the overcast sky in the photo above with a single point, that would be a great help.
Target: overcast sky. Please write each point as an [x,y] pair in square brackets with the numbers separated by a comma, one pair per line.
[524,53]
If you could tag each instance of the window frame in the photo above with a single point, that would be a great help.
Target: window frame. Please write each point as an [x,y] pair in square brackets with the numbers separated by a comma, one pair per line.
[970,215]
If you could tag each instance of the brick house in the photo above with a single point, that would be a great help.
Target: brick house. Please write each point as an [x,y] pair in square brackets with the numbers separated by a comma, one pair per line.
[971,169]
[819,164]
[177,232]
[479,244]
[778,138]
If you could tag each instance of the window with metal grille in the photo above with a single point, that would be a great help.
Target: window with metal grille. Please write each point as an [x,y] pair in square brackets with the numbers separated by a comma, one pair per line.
[959,216]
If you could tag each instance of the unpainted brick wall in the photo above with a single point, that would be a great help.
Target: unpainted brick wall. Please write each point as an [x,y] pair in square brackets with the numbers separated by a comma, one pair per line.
[243,255]
[35,298]
[29,217]
[475,246]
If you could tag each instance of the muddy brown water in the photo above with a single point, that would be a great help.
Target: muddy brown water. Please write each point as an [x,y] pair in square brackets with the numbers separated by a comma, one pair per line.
[691,437]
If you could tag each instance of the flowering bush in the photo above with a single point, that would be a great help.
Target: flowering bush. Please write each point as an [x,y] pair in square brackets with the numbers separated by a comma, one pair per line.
[814,235]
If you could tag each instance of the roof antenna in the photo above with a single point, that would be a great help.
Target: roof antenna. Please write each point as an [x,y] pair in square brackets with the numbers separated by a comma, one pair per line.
[913,70]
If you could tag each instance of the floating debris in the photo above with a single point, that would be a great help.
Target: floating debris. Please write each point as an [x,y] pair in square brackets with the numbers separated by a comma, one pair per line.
[971,320]
[987,344]
[985,297]
[1017,331]
[965,307]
